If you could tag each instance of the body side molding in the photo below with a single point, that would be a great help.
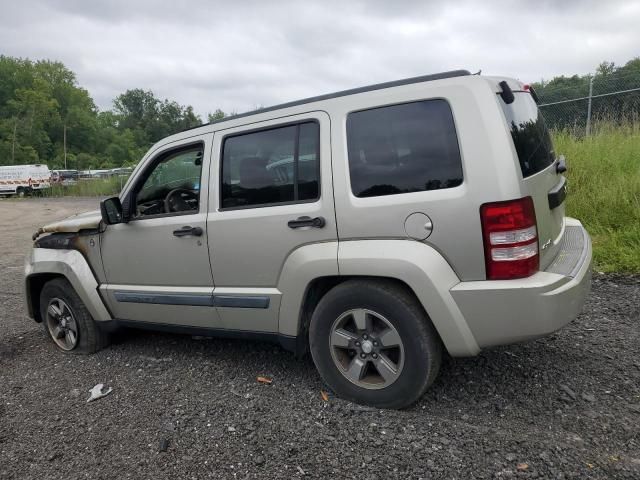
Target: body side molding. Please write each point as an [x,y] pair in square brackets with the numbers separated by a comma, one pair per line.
[192,299]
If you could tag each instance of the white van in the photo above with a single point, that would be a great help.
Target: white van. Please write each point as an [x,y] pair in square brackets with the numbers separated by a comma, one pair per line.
[24,179]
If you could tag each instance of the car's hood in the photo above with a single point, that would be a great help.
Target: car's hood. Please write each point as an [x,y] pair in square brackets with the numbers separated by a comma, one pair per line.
[74,223]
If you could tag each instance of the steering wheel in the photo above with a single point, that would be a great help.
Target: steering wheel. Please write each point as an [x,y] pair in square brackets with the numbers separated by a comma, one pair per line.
[176,200]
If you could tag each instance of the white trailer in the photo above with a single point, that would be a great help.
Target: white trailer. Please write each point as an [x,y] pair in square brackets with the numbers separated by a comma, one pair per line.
[24,179]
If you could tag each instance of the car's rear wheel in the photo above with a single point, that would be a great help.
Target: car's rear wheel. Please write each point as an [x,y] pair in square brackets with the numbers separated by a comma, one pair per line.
[373,343]
[67,321]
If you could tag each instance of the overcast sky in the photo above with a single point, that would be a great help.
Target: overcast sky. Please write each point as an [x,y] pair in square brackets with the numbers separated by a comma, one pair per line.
[237,55]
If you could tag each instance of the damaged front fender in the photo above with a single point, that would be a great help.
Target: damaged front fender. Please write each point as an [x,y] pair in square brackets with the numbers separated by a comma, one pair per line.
[72,251]
[76,223]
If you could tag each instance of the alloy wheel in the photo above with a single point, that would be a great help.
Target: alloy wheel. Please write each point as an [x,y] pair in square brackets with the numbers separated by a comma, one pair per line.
[366,348]
[62,324]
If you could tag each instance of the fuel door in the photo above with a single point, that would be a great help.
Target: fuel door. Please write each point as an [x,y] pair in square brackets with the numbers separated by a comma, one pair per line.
[418,226]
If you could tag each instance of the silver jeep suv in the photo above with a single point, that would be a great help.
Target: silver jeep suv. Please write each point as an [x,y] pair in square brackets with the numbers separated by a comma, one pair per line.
[373,227]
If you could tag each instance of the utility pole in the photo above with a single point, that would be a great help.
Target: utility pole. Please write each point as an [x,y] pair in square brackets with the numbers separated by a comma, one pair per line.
[64,140]
[588,131]
[13,143]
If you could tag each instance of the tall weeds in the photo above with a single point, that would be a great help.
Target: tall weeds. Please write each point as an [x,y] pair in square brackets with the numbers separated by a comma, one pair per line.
[604,190]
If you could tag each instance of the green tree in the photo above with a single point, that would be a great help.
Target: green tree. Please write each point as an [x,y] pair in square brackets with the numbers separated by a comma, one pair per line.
[152,119]
[30,111]
[46,117]
[215,116]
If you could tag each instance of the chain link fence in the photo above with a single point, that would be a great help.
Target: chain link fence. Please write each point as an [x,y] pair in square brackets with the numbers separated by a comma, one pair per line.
[577,103]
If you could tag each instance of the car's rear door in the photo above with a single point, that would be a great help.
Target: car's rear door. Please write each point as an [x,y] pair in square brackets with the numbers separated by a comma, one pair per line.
[540,175]
[271,193]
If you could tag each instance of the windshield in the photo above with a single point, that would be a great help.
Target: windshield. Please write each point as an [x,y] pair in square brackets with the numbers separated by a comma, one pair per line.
[529,133]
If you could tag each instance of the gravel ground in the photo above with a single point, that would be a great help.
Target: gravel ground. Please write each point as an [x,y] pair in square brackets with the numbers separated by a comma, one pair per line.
[567,406]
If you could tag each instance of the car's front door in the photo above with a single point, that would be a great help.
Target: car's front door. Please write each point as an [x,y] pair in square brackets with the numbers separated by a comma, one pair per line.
[273,195]
[157,265]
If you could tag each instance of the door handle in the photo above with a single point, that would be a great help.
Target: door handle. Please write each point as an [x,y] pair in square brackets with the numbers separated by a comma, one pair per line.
[300,222]
[186,231]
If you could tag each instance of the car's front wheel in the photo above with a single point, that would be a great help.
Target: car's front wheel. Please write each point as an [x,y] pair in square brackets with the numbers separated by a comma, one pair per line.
[67,321]
[373,343]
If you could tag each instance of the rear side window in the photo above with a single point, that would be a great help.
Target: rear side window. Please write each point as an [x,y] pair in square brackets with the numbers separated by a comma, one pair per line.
[529,133]
[405,148]
[279,165]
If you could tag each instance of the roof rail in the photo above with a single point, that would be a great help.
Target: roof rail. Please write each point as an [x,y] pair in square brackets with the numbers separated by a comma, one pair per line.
[344,93]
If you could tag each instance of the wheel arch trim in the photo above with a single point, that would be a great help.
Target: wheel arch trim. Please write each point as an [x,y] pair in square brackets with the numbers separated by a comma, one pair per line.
[427,274]
[416,265]
[303,265]
[71,265]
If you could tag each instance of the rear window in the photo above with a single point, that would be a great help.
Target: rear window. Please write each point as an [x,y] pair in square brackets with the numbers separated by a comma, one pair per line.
[405,148]
[529,133]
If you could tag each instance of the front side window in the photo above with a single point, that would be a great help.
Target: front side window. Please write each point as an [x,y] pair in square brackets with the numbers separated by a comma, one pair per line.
[404,148]
[279,165]
[172,186]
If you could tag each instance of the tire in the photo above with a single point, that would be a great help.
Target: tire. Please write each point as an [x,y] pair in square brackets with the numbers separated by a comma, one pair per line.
[59,296]
[383,306]
[20,192]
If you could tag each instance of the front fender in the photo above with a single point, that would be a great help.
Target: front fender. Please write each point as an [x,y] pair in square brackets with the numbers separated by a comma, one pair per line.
[425,271]
[71,265]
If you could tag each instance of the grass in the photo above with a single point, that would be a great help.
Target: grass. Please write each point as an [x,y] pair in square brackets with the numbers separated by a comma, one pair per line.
[604,191]
[94,187]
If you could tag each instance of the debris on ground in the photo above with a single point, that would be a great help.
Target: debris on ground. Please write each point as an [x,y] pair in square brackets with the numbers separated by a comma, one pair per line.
[98,392]
[265,380]
[570,393]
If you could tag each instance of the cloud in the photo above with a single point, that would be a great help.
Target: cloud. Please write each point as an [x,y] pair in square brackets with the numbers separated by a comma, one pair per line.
[238,55]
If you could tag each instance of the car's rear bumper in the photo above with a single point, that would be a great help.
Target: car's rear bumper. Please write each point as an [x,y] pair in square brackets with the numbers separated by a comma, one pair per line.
[500,312]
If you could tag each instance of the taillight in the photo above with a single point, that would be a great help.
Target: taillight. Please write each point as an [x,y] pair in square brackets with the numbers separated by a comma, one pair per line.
[510,239]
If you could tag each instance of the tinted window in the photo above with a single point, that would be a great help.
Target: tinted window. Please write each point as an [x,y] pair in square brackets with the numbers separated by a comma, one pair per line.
[403,148]
[278,165]
[529,133]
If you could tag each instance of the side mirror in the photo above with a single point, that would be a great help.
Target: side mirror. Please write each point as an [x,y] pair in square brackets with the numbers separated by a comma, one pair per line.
[111,211]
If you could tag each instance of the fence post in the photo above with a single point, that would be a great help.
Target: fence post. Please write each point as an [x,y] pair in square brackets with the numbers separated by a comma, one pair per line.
[588,130]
